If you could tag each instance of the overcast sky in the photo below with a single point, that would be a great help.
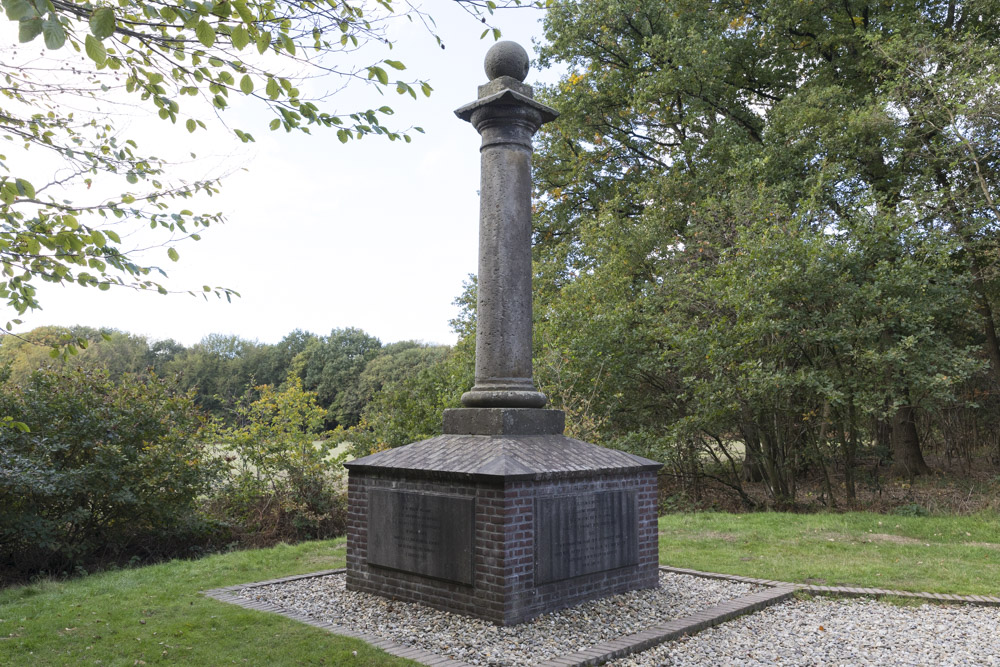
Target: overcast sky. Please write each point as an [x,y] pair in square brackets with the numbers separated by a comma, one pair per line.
[321,235]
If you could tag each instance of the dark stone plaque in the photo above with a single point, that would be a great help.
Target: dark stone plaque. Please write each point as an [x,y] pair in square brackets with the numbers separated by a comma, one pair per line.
[585,533]
[424,533]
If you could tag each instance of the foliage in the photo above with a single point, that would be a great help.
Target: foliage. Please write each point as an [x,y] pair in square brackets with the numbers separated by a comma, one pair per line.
[186,64]
[107,470]
[85,347]
[410,408]
[332,365]
[283,481]
[768,225]
[216,369]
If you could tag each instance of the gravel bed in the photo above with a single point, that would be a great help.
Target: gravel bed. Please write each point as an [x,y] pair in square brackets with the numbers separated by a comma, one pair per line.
[482,643]
[840,632]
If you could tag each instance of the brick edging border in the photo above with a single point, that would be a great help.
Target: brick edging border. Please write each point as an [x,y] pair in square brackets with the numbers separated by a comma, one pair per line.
[671,630]
[776,591]
[847,591]
[228,594]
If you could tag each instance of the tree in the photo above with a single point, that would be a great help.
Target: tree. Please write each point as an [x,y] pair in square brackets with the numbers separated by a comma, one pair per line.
[692,132]
[408,407]
[331,366]
[270,364]
[105,471]
[185,63]
[395,363]
[283,481]
[215,369]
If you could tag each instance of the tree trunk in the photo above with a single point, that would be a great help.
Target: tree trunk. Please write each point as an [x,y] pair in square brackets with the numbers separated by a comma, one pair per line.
[907,460]
[883,439]
[991,342]
[752,471]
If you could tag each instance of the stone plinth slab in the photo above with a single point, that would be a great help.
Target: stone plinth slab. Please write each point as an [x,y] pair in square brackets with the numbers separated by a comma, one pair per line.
[503,421]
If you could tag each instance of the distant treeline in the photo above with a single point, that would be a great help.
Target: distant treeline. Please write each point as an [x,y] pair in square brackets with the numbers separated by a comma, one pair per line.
[346,369]
[117,449]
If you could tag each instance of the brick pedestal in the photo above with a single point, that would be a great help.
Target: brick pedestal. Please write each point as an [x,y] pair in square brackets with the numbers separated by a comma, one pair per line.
[501,527]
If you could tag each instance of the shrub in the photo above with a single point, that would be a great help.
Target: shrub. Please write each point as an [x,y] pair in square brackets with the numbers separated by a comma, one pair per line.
[107,471]
[283,482]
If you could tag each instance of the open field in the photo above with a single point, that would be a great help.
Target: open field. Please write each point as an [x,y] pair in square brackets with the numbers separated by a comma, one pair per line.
[155,615]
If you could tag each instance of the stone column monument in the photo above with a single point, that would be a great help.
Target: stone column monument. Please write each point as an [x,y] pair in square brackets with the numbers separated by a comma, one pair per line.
[502,517]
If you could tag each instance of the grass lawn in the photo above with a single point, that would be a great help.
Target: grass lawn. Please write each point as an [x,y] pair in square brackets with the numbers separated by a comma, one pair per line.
[958,555]
[155,615]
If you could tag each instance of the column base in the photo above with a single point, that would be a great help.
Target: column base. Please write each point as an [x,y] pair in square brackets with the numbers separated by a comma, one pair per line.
[503,421]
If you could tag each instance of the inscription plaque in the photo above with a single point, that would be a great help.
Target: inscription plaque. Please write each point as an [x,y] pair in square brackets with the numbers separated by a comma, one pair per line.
[424,533]
[585,533]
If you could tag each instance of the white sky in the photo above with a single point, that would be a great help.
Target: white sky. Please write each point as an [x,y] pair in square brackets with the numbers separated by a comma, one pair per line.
[322,235]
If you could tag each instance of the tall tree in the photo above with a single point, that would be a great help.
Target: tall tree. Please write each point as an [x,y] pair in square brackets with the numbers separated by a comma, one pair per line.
[685,122]
[332,365]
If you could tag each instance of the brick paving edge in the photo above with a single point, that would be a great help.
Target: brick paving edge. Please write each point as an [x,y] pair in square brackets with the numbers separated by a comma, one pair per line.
[228,595]
[673,630]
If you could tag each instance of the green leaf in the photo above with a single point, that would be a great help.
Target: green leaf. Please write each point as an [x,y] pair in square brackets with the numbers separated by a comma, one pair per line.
[132,178]
[55,34]
[102,22]
[379,73]
[244,12]
[20,9]
[272,89]
[240,37]
[246,84]
[191,125]
[287,42]
[95,50]
[28,29]
[263,42]
[395,64]
[173,255]
[343,136]
[113,236]
[205,34]
[25,188]
[275,124]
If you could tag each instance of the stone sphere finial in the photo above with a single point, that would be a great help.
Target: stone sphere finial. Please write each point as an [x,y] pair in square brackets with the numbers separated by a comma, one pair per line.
[507,59]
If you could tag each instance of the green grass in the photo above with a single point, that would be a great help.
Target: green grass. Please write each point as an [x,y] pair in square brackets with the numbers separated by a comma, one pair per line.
[958,555]
[156,616]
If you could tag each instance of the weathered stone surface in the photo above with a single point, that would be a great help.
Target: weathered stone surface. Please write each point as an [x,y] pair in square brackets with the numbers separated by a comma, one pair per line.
[503,84]
[584,533]
[506,58]
[506,120]
[424,533]
[501,457]
[504,421]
